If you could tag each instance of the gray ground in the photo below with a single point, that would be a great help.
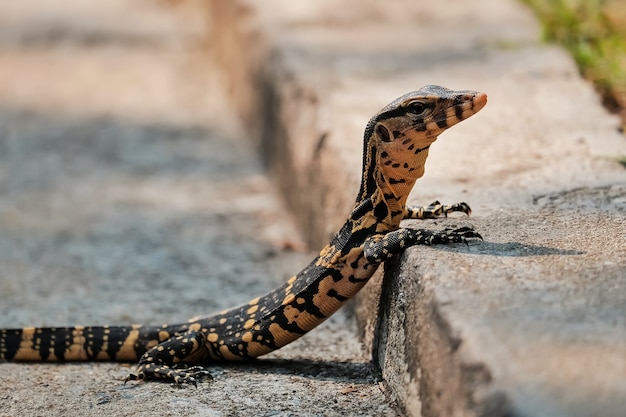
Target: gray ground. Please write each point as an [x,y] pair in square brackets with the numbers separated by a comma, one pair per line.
[126,196]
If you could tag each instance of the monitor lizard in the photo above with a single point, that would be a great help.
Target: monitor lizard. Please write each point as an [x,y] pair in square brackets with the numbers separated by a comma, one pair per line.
[397,140]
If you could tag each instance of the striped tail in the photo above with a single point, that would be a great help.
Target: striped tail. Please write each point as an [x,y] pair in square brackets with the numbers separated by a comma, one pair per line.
[59,344]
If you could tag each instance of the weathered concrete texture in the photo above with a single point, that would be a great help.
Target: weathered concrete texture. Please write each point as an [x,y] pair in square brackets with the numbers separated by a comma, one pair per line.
[531,322]
[125,197]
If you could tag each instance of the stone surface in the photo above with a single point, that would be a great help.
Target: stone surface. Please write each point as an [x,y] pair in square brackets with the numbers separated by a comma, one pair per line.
[531,321]
[127,195]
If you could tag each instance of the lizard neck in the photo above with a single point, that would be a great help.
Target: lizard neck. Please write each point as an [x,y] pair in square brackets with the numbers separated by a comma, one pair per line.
[383,193]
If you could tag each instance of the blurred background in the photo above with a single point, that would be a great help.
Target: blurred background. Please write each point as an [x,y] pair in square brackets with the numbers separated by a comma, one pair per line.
[594,32]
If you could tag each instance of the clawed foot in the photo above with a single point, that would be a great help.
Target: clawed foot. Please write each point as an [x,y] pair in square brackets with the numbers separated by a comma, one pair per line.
[450,235]
[378,249]
[179,374]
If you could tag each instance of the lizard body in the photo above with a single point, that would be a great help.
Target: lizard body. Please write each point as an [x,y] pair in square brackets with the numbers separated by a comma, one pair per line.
[396,145]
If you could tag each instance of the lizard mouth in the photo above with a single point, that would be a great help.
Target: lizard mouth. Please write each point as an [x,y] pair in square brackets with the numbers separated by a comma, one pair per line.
[480,101]
[470,104]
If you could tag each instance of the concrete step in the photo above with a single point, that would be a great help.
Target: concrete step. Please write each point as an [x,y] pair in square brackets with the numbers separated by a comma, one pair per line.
[530,322]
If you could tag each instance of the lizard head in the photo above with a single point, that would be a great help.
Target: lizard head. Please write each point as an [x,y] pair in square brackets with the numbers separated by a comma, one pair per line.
[398,137]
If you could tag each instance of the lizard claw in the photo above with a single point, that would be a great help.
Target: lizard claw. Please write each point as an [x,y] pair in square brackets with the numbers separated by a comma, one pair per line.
[184,375]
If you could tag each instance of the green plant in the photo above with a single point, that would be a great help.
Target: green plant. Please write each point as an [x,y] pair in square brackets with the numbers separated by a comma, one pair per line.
[597,43]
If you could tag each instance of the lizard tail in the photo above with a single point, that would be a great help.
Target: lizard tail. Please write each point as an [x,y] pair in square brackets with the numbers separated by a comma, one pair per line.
[78,343]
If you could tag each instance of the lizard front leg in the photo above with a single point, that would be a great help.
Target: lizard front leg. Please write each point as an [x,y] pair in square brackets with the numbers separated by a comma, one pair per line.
[434,210]
[168,360]
[379,248]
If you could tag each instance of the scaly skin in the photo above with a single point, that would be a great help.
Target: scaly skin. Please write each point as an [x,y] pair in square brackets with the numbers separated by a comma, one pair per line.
[396,145]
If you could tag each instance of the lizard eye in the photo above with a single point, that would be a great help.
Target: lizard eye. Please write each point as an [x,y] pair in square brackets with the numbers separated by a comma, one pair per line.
[416,108]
